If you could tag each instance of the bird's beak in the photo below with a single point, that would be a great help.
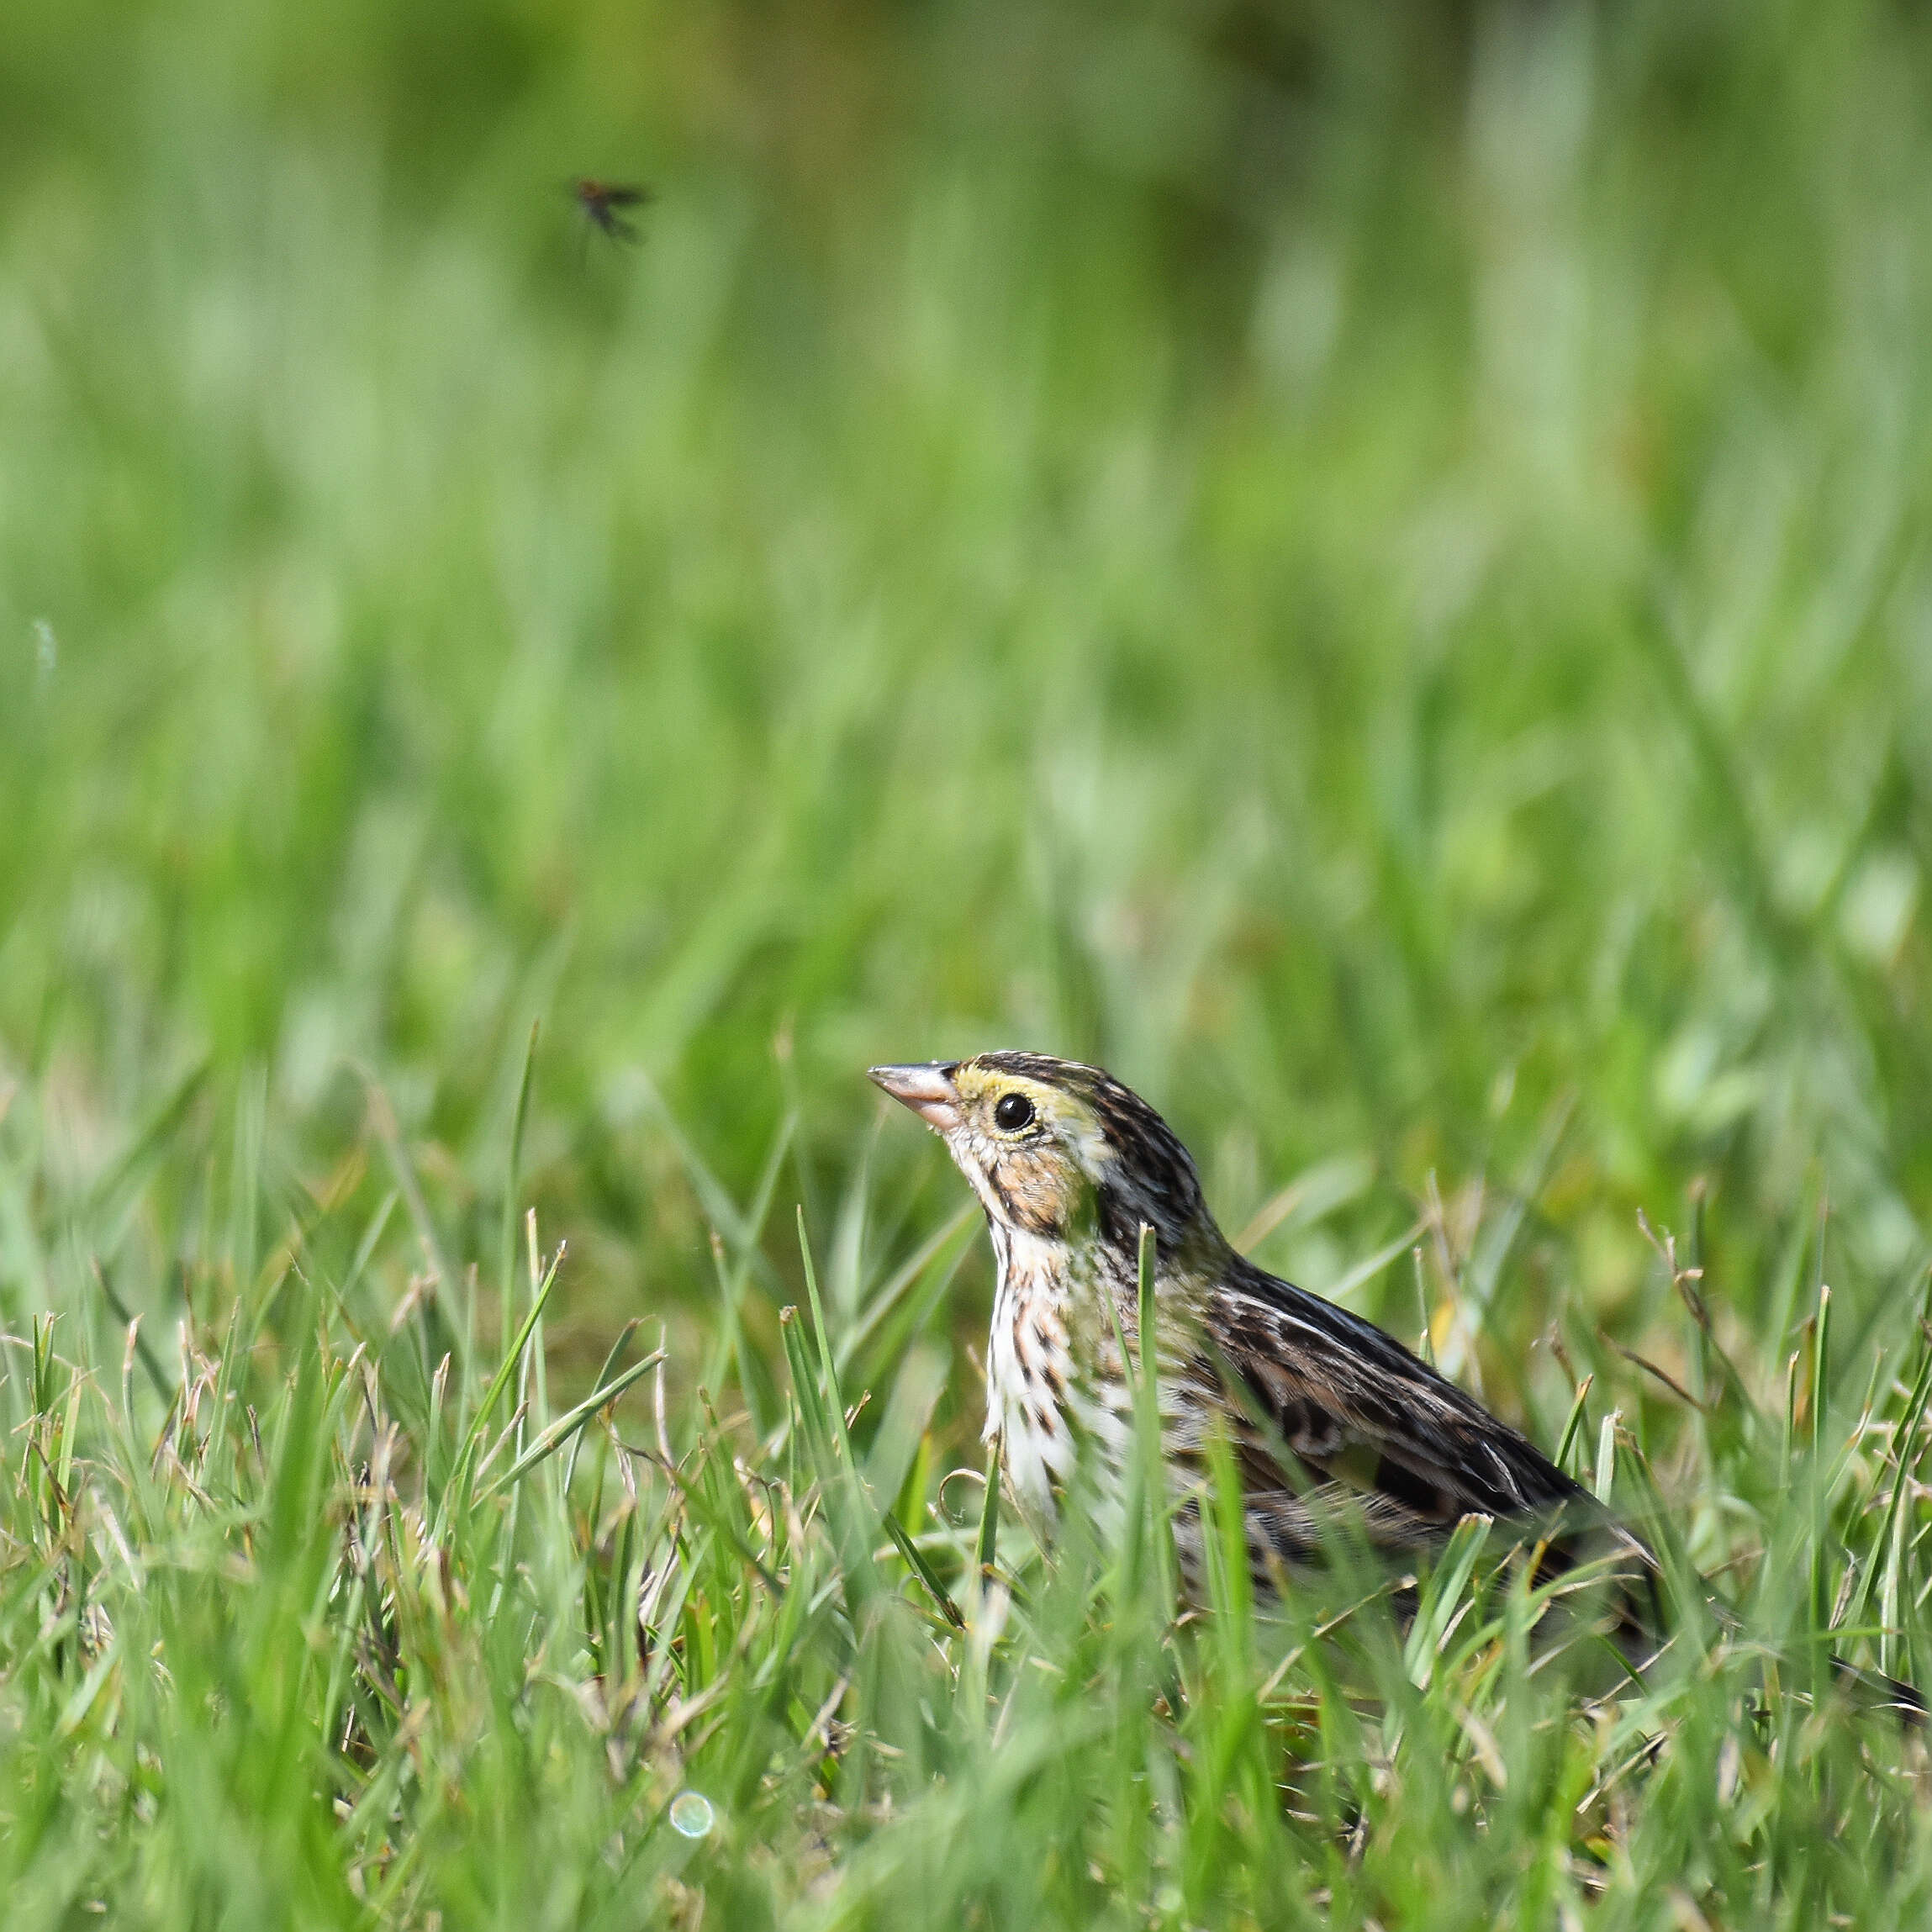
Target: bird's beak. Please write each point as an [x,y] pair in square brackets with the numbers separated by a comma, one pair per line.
[926,1087]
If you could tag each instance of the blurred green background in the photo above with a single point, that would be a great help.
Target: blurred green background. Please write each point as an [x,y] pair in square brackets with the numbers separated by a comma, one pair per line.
[1367,567]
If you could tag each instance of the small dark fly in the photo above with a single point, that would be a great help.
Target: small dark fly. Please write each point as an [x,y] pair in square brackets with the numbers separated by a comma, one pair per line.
[604,205]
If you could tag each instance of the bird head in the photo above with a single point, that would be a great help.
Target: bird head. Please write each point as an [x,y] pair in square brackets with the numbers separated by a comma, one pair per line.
[1056,1149]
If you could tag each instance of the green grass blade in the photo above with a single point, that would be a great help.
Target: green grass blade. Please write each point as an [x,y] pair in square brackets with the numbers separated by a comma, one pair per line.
[513,1175]
[566,1425]
[1578,1419]
[505,1373]
[987,1544]
[924,1570]
[827,1367]
[1447,1581]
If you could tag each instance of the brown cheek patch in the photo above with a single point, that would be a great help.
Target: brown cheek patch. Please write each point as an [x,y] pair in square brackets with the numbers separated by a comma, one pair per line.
[1033,1190]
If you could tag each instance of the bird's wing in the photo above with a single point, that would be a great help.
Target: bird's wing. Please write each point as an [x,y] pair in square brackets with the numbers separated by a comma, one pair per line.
[1370,1426]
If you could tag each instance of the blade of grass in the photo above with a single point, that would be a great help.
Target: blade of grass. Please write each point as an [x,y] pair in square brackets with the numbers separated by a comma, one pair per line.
[604,1375]
[1579,1416]
[729,1349]
[927,1576]
[1820,1375]
[149,1359]
[834,1401]
[506,1246]
[1440,1595]
[985,1548]
[456,1488]
[566,1425]
[1364,1272]
[903,1278]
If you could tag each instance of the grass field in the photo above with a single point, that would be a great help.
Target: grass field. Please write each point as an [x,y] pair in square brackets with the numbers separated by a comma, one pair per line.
[1371,568]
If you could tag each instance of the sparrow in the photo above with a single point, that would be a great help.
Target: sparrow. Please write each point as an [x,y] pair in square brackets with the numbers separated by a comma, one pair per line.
[1331,1421]
[1336,1429]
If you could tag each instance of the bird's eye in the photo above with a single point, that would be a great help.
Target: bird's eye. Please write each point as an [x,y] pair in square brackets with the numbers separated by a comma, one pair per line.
[1014,1111]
